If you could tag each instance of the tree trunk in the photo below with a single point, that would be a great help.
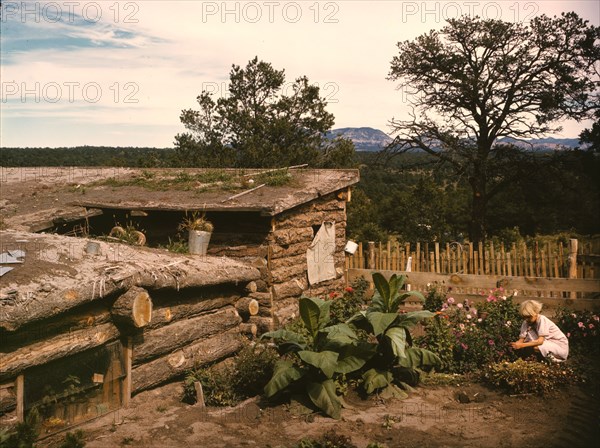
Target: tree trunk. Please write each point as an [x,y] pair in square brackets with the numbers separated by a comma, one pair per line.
[478,207]
[133,309]
[175,364]
[151,344]
[54,348]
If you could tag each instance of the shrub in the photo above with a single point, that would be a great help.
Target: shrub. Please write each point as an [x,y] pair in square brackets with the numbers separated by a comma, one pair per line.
[344,306]
[229,384]
[74,440]
[467,338]
[581,327]
[521,377]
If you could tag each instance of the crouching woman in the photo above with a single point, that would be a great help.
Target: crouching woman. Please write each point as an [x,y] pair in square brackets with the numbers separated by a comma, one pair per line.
[539,335]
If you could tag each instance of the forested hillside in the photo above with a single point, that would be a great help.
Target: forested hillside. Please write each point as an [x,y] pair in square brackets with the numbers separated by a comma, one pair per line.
[410,197]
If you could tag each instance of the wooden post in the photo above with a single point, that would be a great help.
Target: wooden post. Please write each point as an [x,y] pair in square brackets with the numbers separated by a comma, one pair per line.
[20,392]
[371,264]
[573,262]
[127,357]
[437,257]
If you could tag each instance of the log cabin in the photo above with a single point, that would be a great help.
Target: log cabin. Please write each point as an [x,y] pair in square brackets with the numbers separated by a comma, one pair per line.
[87,321]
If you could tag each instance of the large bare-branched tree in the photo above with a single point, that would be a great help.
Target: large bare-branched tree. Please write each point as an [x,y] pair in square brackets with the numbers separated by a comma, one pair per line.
[476,82]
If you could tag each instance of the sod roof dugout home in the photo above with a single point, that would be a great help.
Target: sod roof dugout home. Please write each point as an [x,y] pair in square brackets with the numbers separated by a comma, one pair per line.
[85,320]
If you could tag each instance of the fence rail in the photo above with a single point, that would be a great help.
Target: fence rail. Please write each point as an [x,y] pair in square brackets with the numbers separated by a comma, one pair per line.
[552,292]
[518,260]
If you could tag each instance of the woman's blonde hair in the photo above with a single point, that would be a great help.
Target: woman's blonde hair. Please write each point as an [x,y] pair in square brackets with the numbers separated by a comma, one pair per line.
[530,308]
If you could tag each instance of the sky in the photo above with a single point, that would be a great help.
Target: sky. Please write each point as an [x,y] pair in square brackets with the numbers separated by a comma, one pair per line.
[118,73]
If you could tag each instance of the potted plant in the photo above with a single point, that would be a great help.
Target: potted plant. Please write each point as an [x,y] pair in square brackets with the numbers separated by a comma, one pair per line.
[199,232]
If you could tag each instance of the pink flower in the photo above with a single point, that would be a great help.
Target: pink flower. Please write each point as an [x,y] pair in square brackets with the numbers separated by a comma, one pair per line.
[574,316]
[450,300]
[568,335]
[490,342]
[459,305]
[491,299]
[596,318]
[468,316]
[580,324]
[479,320]
[591,326]
[461,326]
[474,311]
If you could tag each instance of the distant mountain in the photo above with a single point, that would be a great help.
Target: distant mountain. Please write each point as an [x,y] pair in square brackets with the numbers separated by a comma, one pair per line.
[365,139]
[369,139]
[548,143]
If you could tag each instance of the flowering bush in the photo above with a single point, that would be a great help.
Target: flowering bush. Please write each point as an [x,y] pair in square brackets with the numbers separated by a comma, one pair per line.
[582,329]
[467,338]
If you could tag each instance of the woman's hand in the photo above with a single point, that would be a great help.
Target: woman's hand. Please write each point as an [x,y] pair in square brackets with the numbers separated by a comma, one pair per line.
[517,345]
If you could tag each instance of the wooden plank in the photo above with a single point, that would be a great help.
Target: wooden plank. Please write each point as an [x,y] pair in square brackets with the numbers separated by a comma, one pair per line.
[437,257]
[573,262]
[371,262]
[493,269]
[475,263]
[20,393]
[389,255]
[508,265]
[127,358]
[360,255]
[417,259]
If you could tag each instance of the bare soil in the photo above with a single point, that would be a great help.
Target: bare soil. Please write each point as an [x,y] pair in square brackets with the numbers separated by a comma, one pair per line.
[430,417]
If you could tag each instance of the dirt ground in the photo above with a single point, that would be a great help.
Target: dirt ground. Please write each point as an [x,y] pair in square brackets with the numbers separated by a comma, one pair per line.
[430,417]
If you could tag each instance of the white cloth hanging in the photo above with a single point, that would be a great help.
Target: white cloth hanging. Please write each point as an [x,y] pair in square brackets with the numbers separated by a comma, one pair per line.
[320,254]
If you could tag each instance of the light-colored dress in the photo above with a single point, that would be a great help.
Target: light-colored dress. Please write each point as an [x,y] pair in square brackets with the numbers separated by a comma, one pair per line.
[555,341]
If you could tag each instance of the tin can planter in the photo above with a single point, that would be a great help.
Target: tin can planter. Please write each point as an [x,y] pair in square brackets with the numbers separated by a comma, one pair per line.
[198,241]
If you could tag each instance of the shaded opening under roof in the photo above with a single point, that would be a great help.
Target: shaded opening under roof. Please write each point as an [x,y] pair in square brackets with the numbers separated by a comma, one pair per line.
[162,228]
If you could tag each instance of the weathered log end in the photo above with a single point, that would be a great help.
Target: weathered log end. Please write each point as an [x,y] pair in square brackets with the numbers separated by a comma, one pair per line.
[134,308]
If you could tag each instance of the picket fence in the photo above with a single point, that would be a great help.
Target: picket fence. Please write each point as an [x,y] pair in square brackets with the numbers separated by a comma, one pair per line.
[557,260]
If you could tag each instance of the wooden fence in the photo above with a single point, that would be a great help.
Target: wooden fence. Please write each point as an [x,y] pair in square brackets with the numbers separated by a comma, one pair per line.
[541,260]
[578,294]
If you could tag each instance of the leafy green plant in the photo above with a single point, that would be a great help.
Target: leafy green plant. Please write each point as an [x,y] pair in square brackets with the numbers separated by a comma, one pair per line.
[74,440]
[396,358]
[197,221]
[524,377]
[350,302]
[228,385]
[24,434]
[310,361]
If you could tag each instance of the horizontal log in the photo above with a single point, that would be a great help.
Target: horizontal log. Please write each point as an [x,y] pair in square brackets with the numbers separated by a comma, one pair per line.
[248,329]
[251,287]
[261,286]
[291,288]
[309,219]
[286,237]
[54,348]
[285,311]
[288,261]
[173,365]
[133,308]
[8,397]
[284,274]
[326,287]
[278,251]
[154,343]
[184,272]
[335,204]
[237,251]
[67,323]
[490,281]
[246,307]
[190,306]
[263,324]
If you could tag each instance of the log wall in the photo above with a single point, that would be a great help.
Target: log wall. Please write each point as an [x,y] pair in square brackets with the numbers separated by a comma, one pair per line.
[188,328]
[277,248]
